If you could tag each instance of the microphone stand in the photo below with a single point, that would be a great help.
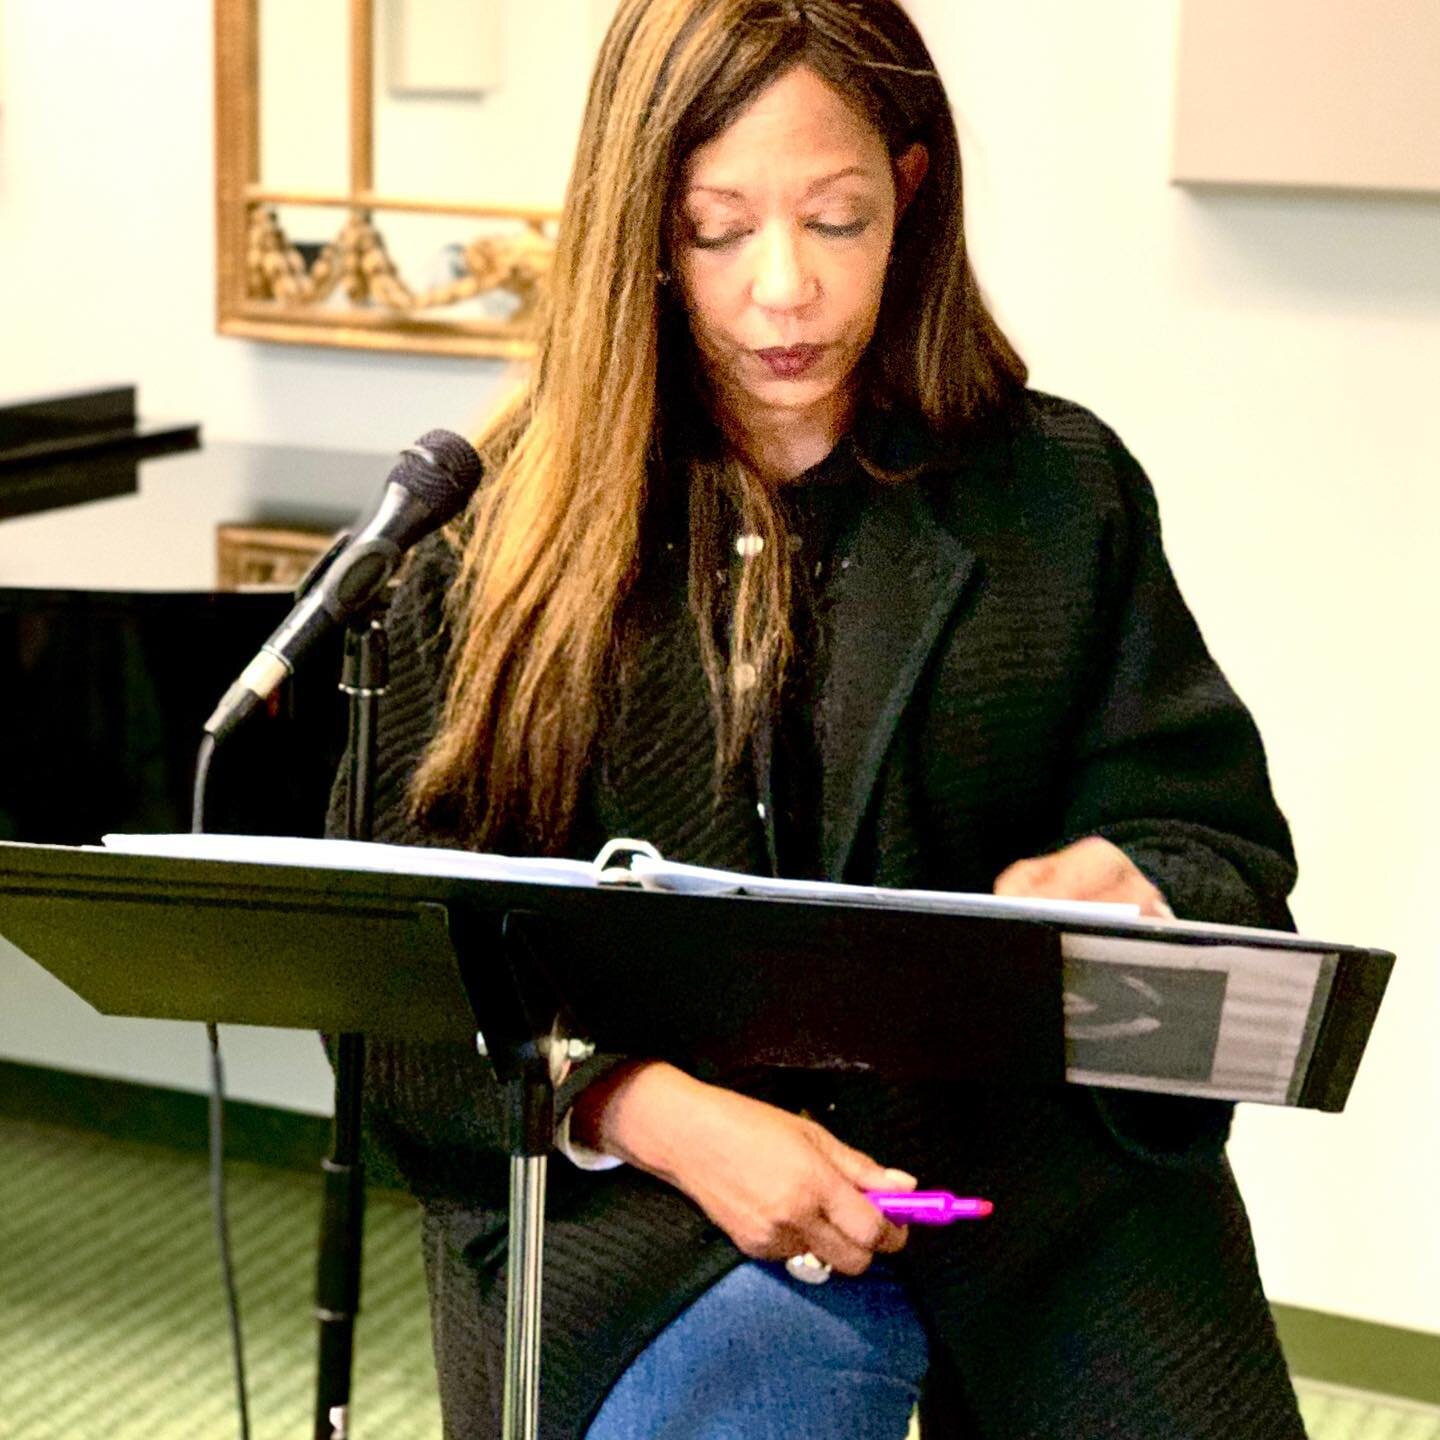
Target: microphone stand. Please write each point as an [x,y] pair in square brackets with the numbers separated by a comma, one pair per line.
[430,485]
[337,1282]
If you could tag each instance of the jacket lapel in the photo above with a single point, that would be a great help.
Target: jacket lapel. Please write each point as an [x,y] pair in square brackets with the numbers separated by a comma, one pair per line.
[898,581]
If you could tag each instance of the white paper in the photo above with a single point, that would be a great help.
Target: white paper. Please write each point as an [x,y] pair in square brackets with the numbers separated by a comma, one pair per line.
[652,873]
[356,855]
[697,880]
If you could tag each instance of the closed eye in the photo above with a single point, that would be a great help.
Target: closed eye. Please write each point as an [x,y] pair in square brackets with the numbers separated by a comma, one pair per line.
[839,232]
[717,242]
[847,231]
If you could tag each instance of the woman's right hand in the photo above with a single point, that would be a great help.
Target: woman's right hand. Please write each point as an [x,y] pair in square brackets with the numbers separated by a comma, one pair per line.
[777,1184]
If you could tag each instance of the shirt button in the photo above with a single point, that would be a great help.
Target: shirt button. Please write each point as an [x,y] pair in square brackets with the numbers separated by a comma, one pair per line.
[760,809]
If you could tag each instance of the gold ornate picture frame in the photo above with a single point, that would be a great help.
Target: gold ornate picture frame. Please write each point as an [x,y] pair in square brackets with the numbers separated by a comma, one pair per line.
[349,292]
[268,556]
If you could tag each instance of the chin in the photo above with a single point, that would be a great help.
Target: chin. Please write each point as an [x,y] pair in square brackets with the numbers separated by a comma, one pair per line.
[798,394]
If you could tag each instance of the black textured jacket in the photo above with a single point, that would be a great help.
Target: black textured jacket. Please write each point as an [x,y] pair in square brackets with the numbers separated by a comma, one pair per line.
[1009,667]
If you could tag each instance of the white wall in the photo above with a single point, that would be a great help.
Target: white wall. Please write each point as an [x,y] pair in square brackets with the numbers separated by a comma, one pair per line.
[1271,359]
[107,243]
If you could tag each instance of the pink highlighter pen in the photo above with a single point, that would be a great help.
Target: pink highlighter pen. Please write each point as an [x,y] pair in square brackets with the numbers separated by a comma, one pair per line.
[928,1207]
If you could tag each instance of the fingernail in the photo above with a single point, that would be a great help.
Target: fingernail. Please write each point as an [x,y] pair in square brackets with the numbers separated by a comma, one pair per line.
[901,1180]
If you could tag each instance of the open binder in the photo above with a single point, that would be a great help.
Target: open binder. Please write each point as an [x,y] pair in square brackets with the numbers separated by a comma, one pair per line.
[342,935]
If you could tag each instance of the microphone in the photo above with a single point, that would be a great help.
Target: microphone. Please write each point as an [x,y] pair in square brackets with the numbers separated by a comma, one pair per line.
[430,484]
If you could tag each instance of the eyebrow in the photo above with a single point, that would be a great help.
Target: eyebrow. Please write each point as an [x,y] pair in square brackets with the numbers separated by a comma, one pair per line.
[810,189]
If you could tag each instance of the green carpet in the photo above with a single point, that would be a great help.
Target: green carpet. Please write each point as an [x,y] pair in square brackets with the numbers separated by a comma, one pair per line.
[111,1317]
[112,1325]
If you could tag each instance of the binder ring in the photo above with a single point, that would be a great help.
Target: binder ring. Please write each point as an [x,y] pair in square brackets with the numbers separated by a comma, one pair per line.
[611,871]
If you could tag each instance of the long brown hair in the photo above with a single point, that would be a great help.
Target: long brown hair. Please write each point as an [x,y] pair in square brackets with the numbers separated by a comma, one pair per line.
[606,417]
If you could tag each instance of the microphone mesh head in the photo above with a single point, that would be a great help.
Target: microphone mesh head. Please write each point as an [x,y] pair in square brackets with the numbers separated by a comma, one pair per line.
[442,471]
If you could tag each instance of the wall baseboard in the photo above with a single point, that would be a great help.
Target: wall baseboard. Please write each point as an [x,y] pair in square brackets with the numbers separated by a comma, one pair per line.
[1334,1349]
[1360,1354]
[156,1115]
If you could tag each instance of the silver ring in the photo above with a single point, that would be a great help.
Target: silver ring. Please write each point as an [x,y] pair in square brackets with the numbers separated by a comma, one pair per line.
[808,1268]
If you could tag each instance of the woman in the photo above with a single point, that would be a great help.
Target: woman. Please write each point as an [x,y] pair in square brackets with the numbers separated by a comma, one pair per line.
[781,567]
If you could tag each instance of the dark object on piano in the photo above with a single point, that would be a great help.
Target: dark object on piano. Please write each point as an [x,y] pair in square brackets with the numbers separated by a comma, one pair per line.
[102,700]
[74,448]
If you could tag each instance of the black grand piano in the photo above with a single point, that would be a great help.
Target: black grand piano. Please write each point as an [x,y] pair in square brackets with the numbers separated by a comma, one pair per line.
[116,641]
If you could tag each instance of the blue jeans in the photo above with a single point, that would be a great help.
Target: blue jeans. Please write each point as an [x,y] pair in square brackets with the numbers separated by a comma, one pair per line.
[760,1356]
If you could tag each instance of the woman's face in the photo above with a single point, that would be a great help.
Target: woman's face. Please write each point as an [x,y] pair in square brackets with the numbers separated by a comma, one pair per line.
[782,242]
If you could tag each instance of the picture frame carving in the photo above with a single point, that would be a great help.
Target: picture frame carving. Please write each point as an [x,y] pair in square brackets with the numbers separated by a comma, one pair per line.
[350,292]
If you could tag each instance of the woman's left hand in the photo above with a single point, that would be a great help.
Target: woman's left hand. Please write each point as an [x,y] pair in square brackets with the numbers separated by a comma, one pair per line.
[1090,869]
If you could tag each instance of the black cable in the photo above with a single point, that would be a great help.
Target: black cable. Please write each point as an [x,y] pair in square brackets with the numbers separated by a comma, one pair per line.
[202,778]
[222,1223]
[218,1208]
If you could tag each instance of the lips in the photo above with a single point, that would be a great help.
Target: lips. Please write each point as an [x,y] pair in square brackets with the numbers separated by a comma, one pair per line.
[790,362]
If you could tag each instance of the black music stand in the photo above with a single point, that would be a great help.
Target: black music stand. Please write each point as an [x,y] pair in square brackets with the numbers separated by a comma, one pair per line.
[435,957]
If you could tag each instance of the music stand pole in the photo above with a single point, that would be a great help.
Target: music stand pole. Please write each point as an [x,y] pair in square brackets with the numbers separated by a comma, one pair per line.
[527,1052]
[337,1280]
[530,1102]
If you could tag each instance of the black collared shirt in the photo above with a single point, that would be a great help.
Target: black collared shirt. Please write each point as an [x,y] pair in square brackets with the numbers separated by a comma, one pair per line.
[820,509]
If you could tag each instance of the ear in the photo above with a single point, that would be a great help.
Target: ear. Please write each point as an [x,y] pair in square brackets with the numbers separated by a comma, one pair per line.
[911,167]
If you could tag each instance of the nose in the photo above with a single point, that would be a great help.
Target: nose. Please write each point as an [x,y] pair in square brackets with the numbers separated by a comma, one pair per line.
[783,280]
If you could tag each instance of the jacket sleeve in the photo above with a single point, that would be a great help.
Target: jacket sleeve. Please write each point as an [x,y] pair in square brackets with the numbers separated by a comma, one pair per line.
[1169,765]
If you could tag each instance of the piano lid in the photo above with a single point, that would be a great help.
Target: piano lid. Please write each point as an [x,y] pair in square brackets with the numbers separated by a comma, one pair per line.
[73,448]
